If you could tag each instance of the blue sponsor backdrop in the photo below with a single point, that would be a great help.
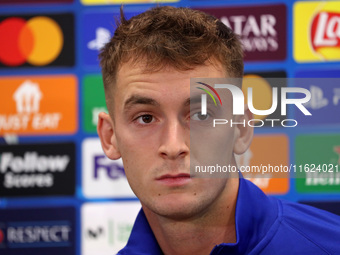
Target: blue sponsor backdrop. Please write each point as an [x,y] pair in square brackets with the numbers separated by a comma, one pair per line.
[45,231]
[324,105]
[98,27]
[93,25]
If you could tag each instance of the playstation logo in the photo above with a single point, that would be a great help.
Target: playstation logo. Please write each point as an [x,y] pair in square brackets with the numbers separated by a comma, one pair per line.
[103,36]
[317,100]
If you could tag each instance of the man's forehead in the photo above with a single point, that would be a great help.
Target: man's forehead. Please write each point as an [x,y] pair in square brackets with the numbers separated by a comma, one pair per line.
[140,67]
[134,82]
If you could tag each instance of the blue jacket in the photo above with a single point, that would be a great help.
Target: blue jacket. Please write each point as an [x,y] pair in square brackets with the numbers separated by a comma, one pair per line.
[264,225]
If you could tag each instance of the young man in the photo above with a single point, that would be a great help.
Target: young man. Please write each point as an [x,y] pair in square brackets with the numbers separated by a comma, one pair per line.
[146,69]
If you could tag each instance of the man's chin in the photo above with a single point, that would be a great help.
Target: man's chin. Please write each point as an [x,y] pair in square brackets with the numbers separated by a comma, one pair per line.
[175,207]
[176,214]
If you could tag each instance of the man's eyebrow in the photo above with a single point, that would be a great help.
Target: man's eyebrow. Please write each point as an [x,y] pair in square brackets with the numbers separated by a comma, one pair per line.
[192,100]
[135,99]
[195,100]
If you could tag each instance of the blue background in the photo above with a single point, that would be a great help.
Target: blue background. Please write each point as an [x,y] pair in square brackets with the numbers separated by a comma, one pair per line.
[87,18]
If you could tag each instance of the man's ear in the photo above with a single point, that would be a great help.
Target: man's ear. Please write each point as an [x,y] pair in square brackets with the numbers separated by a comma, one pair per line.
[243,133]
[107,136]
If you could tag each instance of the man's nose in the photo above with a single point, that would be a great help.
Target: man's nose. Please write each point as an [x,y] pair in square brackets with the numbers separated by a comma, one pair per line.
[175,140]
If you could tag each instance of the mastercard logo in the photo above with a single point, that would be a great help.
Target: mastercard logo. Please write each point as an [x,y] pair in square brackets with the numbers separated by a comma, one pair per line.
[37,41]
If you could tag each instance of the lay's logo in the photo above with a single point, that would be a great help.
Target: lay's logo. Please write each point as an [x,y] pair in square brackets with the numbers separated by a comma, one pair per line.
[317,31]
[325,31]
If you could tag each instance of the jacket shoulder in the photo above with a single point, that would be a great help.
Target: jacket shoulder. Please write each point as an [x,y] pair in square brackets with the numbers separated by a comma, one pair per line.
[304,230]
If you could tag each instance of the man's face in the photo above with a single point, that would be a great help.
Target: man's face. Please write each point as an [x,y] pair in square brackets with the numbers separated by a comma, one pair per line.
[151,132]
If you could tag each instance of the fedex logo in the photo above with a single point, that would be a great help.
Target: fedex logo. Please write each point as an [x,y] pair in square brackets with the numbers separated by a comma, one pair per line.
[102,177]
[109,168]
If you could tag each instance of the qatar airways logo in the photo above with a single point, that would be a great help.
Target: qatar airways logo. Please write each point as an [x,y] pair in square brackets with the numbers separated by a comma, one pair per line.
[238,104]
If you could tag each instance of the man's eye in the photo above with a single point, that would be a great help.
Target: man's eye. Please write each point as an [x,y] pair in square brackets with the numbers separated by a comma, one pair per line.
[145,119]
[199,117]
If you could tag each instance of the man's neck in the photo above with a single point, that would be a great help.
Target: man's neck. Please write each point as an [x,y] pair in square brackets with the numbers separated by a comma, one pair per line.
[198,235]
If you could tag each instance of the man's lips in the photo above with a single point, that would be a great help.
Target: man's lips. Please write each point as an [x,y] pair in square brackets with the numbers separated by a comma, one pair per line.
[174,179]
[166,176]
